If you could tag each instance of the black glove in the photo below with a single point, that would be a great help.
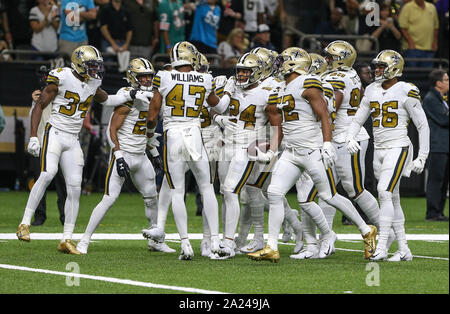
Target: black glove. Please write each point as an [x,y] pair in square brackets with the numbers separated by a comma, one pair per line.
[122,168]
[157,164]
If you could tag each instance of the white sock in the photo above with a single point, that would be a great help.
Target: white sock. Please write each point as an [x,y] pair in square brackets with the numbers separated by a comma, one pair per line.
[276,217]
[347,208]
[369,206]
[179,212]
[151,210]
[164,200]
[211,208]
[257,212]
[245,223]
[292,218]
[71,209]
[232,214]
[315,214]
[398,223]
[328,211]
[386,218]
[35,196]
[308,226]
[97,216]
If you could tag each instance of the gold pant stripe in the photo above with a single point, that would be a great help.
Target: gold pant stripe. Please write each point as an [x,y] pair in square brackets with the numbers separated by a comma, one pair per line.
[244,178]
[356,171]
[398,169]
[108,173]
[44,148]
[331,181]
[265,174]
[166,166]
[312,195]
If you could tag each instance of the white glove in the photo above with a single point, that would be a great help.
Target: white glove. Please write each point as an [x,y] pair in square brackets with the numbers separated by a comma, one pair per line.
[417,165]
[230,87]
[352,145]
[144,96]
[328,155]
[153,140]
[224,122]
[34,147]
[260,156]
[220,80]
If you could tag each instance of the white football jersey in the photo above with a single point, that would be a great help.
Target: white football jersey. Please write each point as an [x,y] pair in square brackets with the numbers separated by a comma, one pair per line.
[301,127]
[248,108]
[251,10]
[328,92]
[389,114]
[349,84]
[183,95]
[74,98]
[132,135]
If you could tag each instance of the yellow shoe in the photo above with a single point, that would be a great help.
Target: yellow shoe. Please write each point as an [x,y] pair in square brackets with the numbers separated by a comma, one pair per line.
[267,253]
[370,243]
[23,233]
[68,247]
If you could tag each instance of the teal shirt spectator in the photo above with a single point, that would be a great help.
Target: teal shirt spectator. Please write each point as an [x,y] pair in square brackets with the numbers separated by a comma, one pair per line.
[171,19]
[2,120]
[206,23]
[74,33]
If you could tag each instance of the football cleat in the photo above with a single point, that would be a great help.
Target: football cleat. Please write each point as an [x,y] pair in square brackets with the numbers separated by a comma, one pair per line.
[327,245]
[68,247]
[159,247]
[23,233]
[370,243]
[82,247]
[214,244]
[205,248]
[400,256]
[267,253]
[379,255]
[253,246]
[156,234]
[186,253]
[311,252]
[227,248]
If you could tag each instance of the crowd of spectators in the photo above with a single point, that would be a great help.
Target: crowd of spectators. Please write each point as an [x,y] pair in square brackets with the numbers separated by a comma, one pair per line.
[228,28]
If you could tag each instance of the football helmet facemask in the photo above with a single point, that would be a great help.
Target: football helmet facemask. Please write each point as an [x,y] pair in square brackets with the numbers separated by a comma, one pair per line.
[340,55]
[137,68]
[87,61]
[184,53]
[295,60]
[318,64]
[393,63]
[255,67]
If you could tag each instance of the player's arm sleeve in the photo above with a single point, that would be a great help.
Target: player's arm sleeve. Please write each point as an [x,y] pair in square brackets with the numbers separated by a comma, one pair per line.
[360,117]
[54,77]
[122,97]
[415,111]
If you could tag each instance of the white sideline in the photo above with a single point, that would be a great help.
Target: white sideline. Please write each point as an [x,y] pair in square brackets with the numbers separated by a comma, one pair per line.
[110,279]
[198,236]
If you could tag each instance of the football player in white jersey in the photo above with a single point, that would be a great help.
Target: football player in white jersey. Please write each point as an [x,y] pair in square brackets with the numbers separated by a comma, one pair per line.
[252,107]
[350,168]
[180,94]
[71,91]
[392,104]
[127,134]
[307,139]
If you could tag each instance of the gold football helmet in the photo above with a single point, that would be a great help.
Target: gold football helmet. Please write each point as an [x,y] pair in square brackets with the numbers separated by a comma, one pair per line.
[184,53]
[318,64]
[340,55]
[393,62]
[87,61]
[252,62]
[268,59]
[295,60]
[203,65]
[136,68]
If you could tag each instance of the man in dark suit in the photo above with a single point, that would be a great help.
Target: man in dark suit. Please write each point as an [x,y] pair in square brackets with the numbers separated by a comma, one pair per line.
[435,105]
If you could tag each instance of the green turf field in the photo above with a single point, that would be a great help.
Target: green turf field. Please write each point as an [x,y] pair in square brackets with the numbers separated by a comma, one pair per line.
[111,262]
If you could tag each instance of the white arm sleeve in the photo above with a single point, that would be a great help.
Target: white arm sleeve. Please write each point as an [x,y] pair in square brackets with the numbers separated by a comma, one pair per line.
[222,106]
[360,117]
[118,99]
[415,110]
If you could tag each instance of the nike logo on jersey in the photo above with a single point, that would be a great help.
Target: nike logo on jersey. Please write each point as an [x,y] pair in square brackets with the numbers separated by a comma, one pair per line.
[187,77]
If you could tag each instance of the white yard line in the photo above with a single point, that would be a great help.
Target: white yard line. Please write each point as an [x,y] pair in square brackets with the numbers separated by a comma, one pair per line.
[110,279]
